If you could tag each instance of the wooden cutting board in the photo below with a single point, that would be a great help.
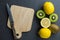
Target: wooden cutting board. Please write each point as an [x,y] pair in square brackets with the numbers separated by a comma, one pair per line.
[23,18]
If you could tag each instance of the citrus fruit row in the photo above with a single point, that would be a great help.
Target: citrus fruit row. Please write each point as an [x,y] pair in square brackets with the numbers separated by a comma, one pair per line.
[46,22]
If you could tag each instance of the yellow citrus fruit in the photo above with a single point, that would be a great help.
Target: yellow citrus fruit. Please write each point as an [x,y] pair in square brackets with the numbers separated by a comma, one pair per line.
[45,22]
[48,7]
[44,33]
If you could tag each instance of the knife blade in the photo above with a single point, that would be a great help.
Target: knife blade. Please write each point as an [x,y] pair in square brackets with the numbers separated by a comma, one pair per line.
[11,21]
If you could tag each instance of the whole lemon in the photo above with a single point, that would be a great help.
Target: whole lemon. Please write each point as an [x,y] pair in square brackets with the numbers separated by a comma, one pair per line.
[48,7]
[44,33]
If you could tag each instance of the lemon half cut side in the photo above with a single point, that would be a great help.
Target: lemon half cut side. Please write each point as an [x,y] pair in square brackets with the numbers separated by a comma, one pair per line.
[45,22]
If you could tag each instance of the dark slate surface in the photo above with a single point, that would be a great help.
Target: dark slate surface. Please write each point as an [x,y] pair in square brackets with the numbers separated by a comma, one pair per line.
[6,33]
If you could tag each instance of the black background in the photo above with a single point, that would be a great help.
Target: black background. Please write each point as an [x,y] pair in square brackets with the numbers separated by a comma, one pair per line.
[6,33]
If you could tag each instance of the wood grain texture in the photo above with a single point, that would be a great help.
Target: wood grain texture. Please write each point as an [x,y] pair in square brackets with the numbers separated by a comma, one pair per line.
[23,18]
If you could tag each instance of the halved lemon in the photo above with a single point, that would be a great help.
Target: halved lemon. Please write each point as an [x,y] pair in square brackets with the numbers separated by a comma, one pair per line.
[45,22]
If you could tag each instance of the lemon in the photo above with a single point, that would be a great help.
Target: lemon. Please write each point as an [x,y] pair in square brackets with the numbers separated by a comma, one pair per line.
[45,22]
[44,33]
[48,7]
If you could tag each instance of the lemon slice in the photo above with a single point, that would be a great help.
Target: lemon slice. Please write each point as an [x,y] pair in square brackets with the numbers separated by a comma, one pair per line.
[45,22]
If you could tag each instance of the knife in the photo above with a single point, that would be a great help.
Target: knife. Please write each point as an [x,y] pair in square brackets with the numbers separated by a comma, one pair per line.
[11,21]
